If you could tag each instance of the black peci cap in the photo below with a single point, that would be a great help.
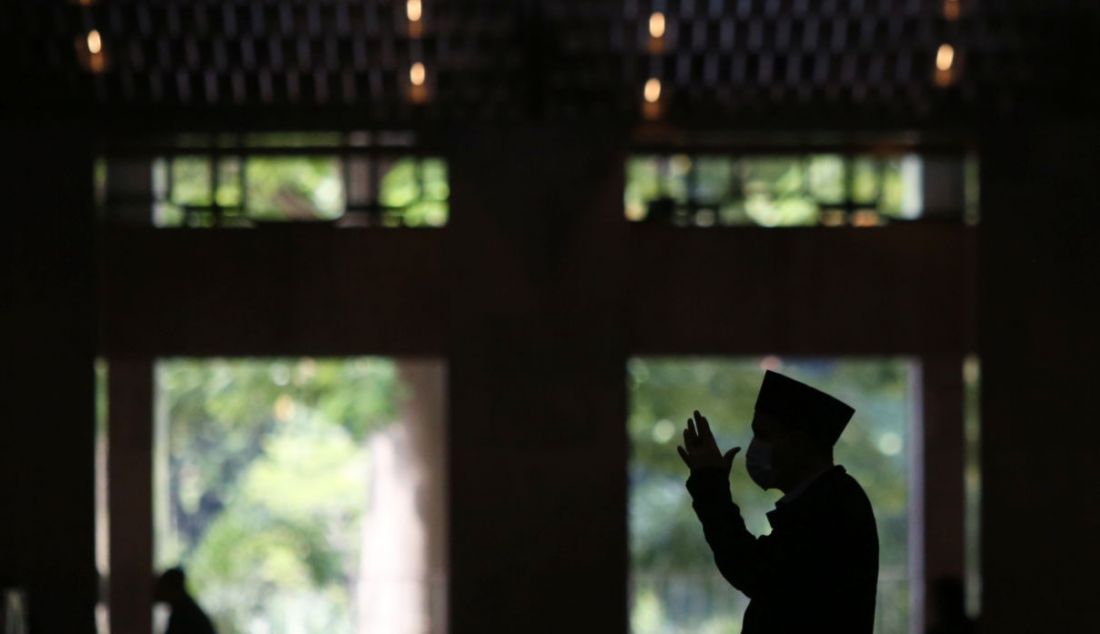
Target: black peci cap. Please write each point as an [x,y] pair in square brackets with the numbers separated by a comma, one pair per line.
[798,403]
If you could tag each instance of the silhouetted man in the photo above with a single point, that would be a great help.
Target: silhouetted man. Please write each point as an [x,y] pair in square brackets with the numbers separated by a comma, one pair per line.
[818,569]
[187,617]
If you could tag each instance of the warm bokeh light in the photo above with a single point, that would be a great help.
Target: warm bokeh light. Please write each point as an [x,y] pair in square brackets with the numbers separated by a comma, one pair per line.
[833,218]
[417,74]
[945,57]
[414,10]
[95,42]
[951,9]
[653,90]
[657,24]
[866,218]
[97,63]
[770,362]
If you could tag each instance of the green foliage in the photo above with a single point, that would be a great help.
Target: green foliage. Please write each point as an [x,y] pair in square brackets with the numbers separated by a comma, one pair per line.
[294,187]
[769,191]
[665,539]
[419,188]
[415,191]
[263,472]
[190,180]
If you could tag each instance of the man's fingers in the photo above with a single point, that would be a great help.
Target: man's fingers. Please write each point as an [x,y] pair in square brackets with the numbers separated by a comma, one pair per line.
[702,425]
[691,440]
[683,455]
[729,456]
[691,435]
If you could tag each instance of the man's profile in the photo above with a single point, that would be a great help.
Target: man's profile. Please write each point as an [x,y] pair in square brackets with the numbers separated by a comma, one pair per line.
[818,569]
[187,617]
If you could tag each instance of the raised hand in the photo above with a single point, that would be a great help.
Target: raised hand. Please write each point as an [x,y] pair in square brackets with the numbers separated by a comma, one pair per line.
[700,450]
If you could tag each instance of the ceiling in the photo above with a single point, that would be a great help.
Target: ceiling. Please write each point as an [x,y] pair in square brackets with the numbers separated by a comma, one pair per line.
[780,61]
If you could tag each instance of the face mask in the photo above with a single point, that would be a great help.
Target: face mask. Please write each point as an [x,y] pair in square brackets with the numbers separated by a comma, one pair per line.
[758,460]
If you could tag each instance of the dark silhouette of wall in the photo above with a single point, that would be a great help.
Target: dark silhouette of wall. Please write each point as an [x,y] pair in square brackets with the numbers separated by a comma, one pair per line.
[519,295]
[47,330]
[1039,308]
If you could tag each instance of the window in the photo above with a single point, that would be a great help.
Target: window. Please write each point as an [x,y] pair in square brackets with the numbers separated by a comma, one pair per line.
[674,585]
[352,179]
[303,495]
[973,481]
[102,510]
[863,190]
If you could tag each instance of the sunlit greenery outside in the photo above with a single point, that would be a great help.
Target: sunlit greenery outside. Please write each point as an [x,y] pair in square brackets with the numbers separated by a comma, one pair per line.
[973,473]
[102,510]
[411,191]
[675,587]
[261,481]
[771,191]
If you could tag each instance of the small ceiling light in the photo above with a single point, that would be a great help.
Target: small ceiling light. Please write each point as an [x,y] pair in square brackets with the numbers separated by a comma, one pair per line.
[652,90]
[657,25]
[414,10]
[95,42]
[417,74]
[945,57]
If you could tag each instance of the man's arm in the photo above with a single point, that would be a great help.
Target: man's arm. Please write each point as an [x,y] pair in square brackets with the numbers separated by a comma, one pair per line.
[736,550]
[755,566]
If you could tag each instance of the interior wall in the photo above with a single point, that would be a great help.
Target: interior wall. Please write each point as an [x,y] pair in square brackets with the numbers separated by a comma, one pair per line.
[47,334]
[1039,306]
[538,396]
[536,342]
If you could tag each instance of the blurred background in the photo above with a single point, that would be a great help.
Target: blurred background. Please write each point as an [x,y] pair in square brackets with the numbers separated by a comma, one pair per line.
[385,316]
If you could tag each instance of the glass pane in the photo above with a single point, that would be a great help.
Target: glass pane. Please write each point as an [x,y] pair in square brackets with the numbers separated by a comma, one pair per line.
[642,185]
[400,183]
[99,175]
[865,181]
[973,472]
[712,179]
[774,192]
[190,181]
[673,172]
[426,213]
[674,585]
[972,175]
[414,192]
[294,188]
[102,509]
[302,495]
[229,183]
[893,192]
[436,186]
[827,178]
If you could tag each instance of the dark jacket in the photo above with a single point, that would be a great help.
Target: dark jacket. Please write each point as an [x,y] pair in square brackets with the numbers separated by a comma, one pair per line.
[818,569]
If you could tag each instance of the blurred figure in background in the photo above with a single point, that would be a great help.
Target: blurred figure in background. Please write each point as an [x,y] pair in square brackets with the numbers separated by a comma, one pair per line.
[949,608]
[187,617]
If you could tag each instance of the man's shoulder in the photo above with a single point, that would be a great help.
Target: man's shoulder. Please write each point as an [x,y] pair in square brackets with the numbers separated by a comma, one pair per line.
[842,495]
